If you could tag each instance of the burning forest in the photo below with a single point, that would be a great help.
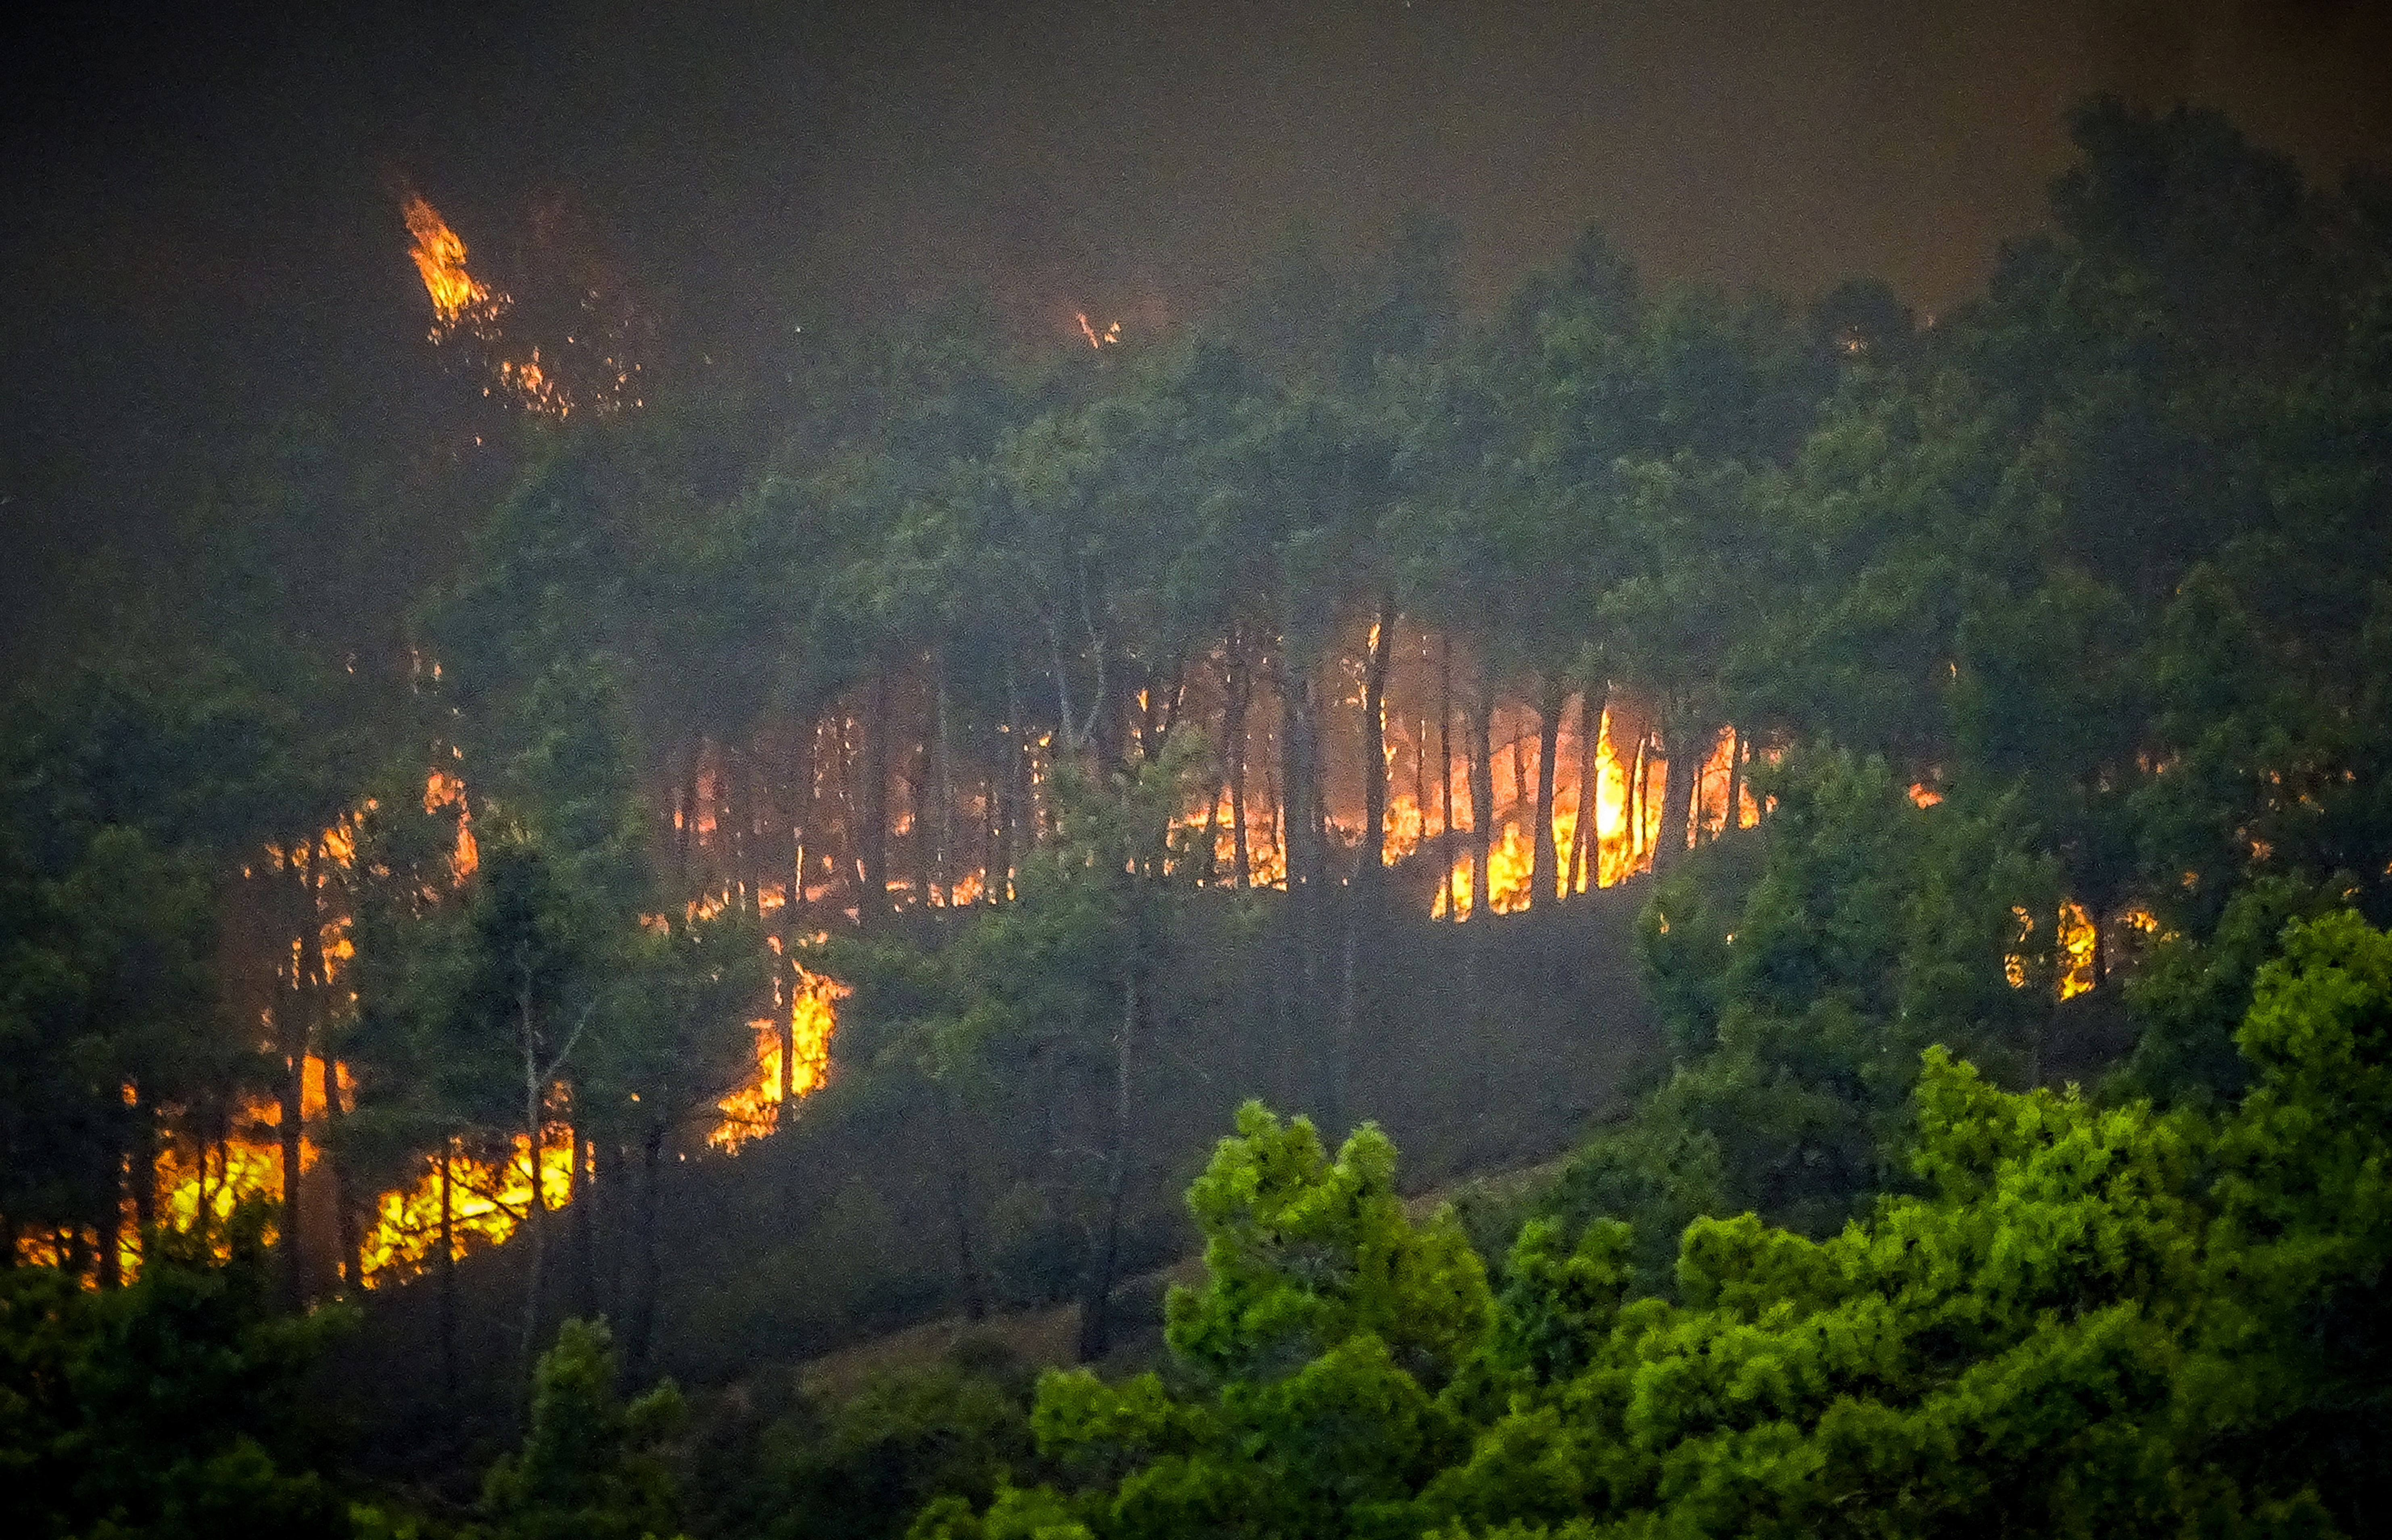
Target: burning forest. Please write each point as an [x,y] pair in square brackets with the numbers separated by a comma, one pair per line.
[1748,794]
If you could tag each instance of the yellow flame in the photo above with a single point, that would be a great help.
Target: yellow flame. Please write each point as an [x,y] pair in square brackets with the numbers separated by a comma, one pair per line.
[487,1204]
[754,1109]
[2076,947]
[458,299]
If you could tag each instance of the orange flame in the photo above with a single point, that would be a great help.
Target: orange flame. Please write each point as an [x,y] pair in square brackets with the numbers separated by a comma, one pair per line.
[754,1109]
[459,301]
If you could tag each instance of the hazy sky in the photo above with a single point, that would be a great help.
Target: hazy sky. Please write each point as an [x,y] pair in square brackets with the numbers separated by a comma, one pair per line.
[203,219]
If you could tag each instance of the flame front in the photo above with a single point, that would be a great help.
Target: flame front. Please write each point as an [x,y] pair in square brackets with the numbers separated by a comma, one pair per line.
[755,1109]
[459,301]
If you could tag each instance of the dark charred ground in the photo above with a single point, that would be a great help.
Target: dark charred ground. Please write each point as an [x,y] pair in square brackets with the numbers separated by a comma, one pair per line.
[842,1227]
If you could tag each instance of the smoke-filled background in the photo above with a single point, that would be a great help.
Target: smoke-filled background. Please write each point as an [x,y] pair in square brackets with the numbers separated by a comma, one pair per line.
[204,235]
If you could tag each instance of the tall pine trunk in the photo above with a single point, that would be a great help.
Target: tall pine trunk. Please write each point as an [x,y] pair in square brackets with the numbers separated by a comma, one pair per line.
[1681,763]
[1233,733]
[957,1163]
[873,903]
[345,1214]
[1448,846]
[448,1270]
[292,1031]
[1482,799]
[1585,851]
[1363,899]
[536,1211]
[1096,1323]
[1543,874]
[942,857]
[644,1275]
[1732,820]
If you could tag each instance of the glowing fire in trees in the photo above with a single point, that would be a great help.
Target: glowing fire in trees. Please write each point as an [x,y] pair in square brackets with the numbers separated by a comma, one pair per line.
[755,1109]
[1615,850]
[459,301]
[487,1181]
[589,361]
[1105,338]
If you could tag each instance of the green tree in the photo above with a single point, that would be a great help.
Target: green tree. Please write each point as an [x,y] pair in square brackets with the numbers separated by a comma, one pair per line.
[590,1465]
[172,1408]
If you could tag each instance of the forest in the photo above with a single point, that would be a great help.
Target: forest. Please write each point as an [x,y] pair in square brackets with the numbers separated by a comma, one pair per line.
[517,952]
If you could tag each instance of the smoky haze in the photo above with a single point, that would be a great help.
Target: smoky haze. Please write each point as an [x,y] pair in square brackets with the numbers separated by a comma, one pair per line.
[206,235]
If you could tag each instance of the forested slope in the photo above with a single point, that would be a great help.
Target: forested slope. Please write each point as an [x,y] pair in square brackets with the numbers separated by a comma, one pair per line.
[1324,699]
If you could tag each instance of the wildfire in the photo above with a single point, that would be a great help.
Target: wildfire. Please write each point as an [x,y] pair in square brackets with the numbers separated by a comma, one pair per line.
[754,1109]
[595,367]
[2076,940]
[459,301]
[486,1203]
[1097,339]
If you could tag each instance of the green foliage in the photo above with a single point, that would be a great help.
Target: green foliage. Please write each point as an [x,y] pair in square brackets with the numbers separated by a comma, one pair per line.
[170,1408]
[590,1465]
[2088,1320]
[1800,968]
[860,1468]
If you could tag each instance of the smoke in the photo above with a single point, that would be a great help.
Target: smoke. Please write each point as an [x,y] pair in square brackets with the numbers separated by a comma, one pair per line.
[202,239]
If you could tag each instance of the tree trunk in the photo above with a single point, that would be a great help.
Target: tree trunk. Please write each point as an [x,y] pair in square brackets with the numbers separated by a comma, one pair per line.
[1482,799]
[1586,851]
[144,1174]
[1362,898]
[1233,732]
[942,859]
[1372,855]
[1445,777]
[343,1213]
[1731,821]
[959,1203]
[1017,789]
[1545,874]
[687,835]
[1637,797]
[536,1209]
[447,1273]
[1095,1325]
[1678,752]
[873,838]
[292,1031]
[643,1300]
[577,1206]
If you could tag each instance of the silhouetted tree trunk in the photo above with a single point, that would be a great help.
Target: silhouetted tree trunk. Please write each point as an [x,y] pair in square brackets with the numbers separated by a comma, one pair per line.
[958,1184]
[1363,899]
[873,811]
[686,837]
[1238,689]
[1543,874]
[945,789]
[578,1203]
[292,1031]
[1736,747]
[143,1174]
[447,1271]
[344,1216]
[644,1285]
[1482,799]
[1682,762]
[1445,775]
[1096,1324]
[1586,853]
[1017,789]
[1636,840]
[536,1213]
